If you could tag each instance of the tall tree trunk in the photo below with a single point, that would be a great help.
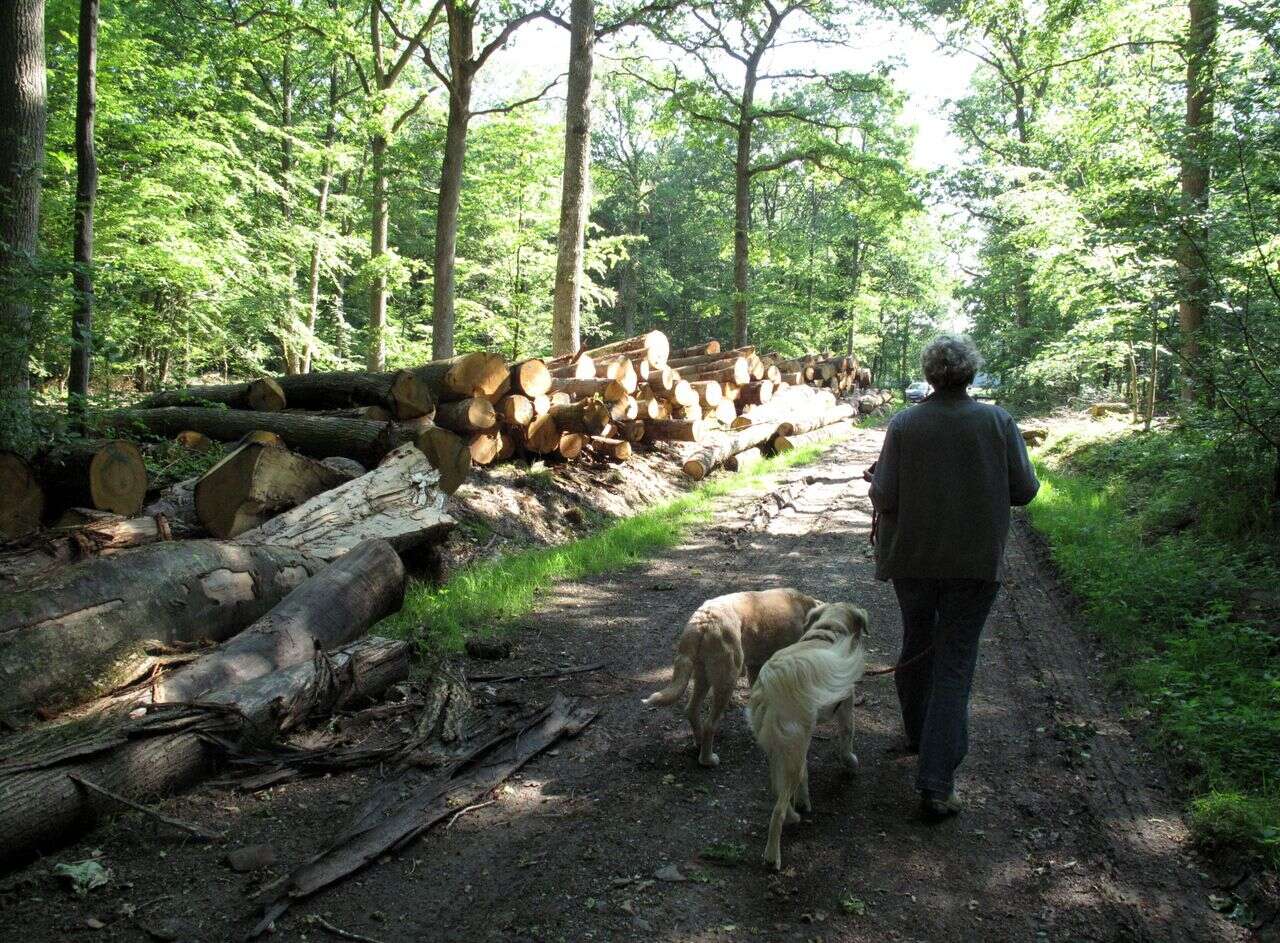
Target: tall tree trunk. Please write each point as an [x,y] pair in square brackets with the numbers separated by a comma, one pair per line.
[1194,176]
[288,349]
[22,121]
[86,193]
[377,355]
[322,212]
[455,152]
[575,200]
[742,215]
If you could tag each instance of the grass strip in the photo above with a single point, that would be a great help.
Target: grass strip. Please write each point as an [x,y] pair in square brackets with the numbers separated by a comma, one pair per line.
[485,598]
[1167,603]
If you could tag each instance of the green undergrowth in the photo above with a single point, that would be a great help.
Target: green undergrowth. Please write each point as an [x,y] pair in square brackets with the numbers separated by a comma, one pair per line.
[1165,538]
[486,598]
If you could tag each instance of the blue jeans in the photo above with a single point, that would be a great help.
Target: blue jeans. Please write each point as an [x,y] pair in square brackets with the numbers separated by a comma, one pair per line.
[934,692]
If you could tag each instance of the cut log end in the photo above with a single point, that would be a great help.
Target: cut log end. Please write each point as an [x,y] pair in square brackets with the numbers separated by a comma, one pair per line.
[194,441]
[409,396]
[118,478]
[448,455]
[266,396]
[530,378]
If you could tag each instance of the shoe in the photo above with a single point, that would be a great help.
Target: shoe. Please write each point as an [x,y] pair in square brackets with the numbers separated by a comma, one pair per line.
[937,808]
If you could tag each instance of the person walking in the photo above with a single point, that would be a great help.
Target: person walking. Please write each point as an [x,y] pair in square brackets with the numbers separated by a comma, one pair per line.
[948,473]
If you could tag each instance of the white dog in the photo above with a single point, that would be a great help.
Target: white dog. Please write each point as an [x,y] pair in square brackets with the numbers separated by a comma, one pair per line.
[815,675]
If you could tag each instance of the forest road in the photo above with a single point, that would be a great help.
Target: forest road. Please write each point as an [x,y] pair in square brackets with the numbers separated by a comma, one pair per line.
[1069,831]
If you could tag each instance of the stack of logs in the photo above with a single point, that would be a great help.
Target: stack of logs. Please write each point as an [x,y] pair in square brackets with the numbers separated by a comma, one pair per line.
[473,409]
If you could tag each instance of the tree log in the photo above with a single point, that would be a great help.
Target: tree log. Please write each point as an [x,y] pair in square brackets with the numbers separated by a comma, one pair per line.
[617,450]
[816,420]
[757,393]
[530,378]
[743,460]
[337,605]
[542,435]
[399,392]
[262,395]
[263,437]
[466,415]
[618,368]
[688,413]
[195,441]
[631,431]
[317,436]
[31,558]
[571,444]
[256,482]
[177,504]
[400,502]
[584,368]
[589,417]
[464,376]
[785,443]
[107,474]
[484,446]
[736,370]
[609,390]
[674,430]
[654,345]
[80,632]
[719,446]
[650,407]
[723,412]
[42,807]
[515,410]
[447,454]
[696,350]
[709,393]
[703,360]
[23,503]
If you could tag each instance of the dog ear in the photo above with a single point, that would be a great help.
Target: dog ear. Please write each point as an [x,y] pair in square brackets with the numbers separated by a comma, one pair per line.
[864,621]
[814,615]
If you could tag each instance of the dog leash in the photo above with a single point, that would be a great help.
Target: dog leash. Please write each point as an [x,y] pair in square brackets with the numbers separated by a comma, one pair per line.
[899,666]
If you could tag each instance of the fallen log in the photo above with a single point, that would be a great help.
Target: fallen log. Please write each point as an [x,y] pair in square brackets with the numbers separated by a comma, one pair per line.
[631,431]
[515,409]
[396,816]
[82,631]
[261,395]
[399,392]
[624,410]
[101,533]
[688,413]
[571,445]
[785,443]
[724,412]
[474,414]
[757,393]
[735,370]
[618,368]
[399,501]
[611,391]
[254,483]
[530,377]
[674,430]
[336,606]
[719,446]
[744,460]
[588,416]
[651,407]
[317,436]
[816,420]
[694,350]
[170,748]
[107,474]
[23,503]
[447,453]
[464,376]
[709,394]
[582,368]
[177,505]
[695,361]
[263,437]
[653,345]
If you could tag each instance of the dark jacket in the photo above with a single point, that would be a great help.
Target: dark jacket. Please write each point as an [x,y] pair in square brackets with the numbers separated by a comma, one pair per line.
[948,472]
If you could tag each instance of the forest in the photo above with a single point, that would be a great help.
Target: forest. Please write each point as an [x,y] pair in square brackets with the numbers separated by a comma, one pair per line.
[215,189]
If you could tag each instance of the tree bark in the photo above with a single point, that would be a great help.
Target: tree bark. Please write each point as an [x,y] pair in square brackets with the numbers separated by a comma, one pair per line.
[719,446]
[336,606]
[467,415]
[22,124]
[588,417]
[86,193]
[575,191]
[81,632]
[1193,240]
[464,376]
[674,430]
[322,213]
[42,808]
[263,394]
[317,436]
[447,454]
[400,502]
[376,358]
[254,483]
[400,392]
[461,45]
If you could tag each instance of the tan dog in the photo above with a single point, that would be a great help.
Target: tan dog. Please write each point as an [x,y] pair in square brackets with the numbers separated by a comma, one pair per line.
[815,675]
[724,635]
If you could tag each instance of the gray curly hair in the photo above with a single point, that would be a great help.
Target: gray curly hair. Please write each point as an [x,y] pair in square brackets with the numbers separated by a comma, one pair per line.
[950,360]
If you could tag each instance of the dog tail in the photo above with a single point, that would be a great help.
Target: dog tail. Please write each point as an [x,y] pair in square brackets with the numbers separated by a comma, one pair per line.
[682,670]
[796,683]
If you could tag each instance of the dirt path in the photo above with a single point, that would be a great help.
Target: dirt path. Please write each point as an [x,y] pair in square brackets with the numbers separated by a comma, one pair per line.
[1069,833]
